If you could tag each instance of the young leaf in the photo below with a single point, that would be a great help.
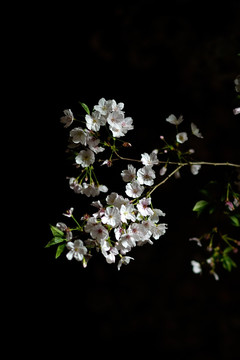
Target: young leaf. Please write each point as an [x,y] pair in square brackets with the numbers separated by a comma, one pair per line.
[234,221]
[56,232]
[85,107]
[200,206]
[60,249]
[55,240]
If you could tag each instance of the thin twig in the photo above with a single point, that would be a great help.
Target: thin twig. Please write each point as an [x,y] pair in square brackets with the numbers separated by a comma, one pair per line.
[166,178]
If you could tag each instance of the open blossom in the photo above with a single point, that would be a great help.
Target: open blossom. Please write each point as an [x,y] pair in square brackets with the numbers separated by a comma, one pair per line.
[79,135]
[195,130]
[173,120]
[146,175]
[127,213]
[124,260]
[94,121]
[111,217]
[129,174]
[68,118]
[181,137]
[143,207]
[76,250]
[85,158]
[150,159]
[99,232]
[134,189]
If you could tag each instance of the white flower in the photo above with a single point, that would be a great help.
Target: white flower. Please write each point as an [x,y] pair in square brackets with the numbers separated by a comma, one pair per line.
[92,189]
[156,213]
[93,143]
[117,130]
[115,106]
[151,159]
[143,207]
[111,217]
[173,120]
[79,135]
[127,213]
[196,267]
[126,124]
[114,118]
[124,260]
[99,232]
[195,169]
[159,230]
[116,200]
[146,175]
[195,130]
[94,121]
[103,107]
[69,212]
[182,137]
[77,250]
[85,158]
[236,111]
[129,174]
[67,119]
[134,189]
[110,257]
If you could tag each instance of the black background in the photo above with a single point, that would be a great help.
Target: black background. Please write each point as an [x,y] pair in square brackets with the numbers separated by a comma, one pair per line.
[178,58]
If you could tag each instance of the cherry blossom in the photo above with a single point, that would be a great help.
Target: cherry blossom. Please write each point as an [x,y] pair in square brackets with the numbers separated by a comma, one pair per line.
[77,250]
[85,158]
[181,137]
[67,119]
[134,189]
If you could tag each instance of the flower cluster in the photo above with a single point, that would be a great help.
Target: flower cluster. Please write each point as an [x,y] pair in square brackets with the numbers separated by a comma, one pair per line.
[121,223]
[114,229]
[87,139]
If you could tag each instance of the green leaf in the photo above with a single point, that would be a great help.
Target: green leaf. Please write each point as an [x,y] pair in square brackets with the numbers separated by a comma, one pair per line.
[60,249]
[56,232]
[54,241]
[85,107]
[228,263]
[200,206]
[234,221]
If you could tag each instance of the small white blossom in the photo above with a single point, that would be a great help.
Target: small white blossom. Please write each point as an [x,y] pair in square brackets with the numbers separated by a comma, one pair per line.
[181,137]
[124,260]
[236,111]
[195,169]
[94,121]
[111,217]
[173,120]
[134,189]
[103,107]
[195,130]
[77,250]
[85,158]
[151,159]
[127,213]
[99,232]
[79,135]
[146,175]
[129,174]
[196,267]
[156,213]
[67,119]
[143,207]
